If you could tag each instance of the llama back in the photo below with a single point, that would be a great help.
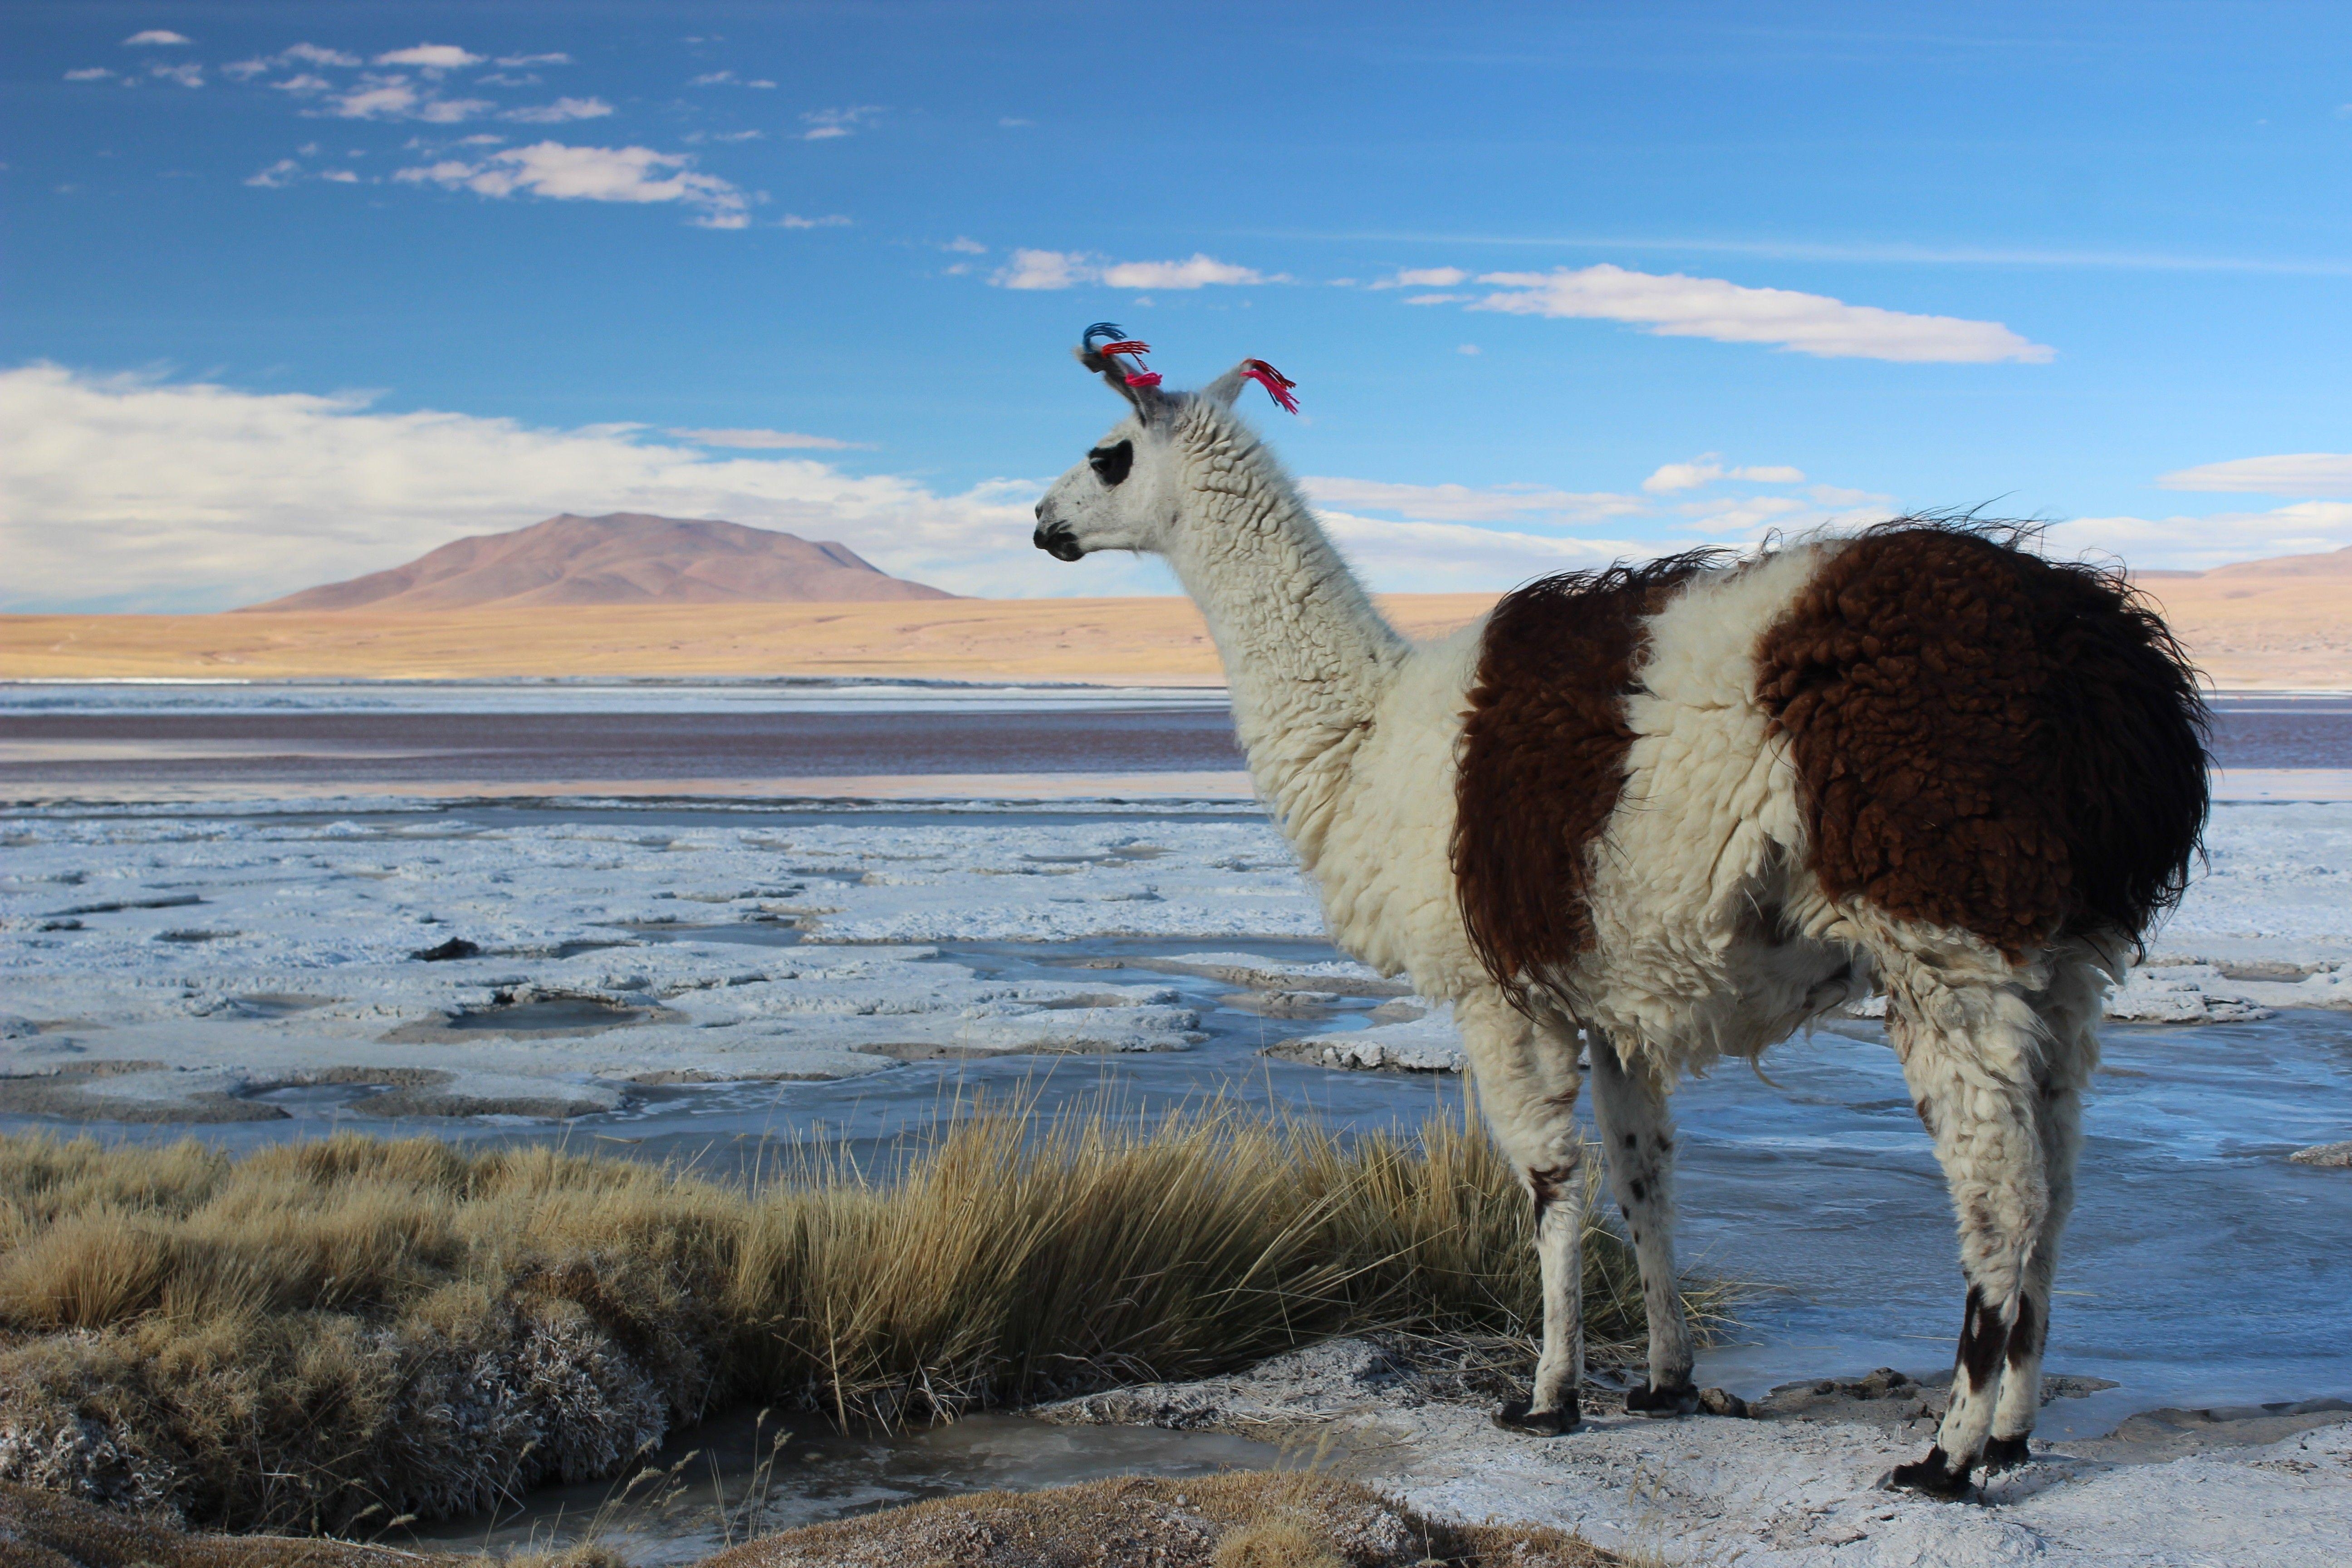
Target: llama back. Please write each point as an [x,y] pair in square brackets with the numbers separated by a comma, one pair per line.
[1980,739]
[1987,740]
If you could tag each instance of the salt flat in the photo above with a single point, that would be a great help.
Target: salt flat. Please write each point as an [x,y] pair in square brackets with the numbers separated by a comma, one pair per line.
[172,963]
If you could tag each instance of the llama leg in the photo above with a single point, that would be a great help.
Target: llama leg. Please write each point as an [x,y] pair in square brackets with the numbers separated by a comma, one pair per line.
[1631,1113]
[2069,1011]
[1528,1082]
[1969,1052]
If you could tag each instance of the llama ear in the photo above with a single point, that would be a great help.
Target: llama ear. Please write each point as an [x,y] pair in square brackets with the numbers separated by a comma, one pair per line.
[1228,386]
[1149,401]
[1139,386]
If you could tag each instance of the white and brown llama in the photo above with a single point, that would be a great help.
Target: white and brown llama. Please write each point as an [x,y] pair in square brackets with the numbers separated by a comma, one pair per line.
[1685,806]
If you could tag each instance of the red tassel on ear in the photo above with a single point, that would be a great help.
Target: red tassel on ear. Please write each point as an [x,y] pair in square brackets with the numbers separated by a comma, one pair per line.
[1140,377]
[1277,385]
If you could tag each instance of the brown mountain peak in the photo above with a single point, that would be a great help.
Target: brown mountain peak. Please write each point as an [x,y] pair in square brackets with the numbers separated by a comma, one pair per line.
[619,558]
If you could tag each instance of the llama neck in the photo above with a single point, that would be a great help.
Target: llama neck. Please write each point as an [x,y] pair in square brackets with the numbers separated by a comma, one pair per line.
[1307,656]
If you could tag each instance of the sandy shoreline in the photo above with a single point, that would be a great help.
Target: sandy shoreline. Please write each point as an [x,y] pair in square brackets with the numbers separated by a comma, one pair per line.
[2247,633]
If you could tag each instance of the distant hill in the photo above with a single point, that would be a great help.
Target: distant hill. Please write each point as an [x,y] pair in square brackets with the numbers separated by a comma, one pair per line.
[621,558]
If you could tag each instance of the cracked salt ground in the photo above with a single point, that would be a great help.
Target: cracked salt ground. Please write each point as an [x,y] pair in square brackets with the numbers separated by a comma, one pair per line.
[1791,1490]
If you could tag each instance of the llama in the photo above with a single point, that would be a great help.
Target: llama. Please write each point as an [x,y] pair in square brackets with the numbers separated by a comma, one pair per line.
[1680,809]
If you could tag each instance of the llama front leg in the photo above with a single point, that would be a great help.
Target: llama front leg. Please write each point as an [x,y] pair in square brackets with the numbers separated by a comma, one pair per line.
[1528,1081]
[1630,1112]
[1968,1056]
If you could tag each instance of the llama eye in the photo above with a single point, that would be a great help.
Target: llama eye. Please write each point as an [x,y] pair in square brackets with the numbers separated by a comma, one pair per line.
[1111,463]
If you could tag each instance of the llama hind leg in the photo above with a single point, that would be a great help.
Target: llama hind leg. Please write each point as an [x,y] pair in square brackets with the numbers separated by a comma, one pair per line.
[1969,1052]
[2069,1011]
[1630,1112]
[1528,1081]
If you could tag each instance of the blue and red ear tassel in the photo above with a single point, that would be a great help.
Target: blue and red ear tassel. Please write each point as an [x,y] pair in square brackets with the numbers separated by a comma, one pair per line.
[1277,385]
[1121,344]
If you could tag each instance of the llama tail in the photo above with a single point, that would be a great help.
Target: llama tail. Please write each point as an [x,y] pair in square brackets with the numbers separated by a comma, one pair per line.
[2129,731]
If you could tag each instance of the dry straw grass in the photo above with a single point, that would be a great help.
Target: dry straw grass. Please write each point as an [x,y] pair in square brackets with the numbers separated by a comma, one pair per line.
[328,1335]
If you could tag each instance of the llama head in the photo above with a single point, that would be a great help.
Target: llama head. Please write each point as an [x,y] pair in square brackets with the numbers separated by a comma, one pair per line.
[1126,493]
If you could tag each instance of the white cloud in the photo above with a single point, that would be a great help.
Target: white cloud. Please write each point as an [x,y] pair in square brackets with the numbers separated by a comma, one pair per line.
[1067,269]
[1195,271]
[2196,543]
[1425,277]
[513,62]
[561,110]
[766,440]
[131,494]
[317,55]
[1704,470]
[154,36]
[1675,305]
[279,175]
[1467,349]
[1460,503]
[2288,473]
[304,84]
[727,79]
[1044,270]
[189,75]
[825,124]
[830,220]
[394,98]
[1438,299]
[88,73]
[963,247]
[431,58]
[561,173]
[339,176]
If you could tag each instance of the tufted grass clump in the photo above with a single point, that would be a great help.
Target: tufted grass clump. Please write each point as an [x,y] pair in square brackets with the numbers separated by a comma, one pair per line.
[320,1335]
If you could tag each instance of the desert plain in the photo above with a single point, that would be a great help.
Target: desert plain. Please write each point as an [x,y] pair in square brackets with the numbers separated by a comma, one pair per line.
[2266,624]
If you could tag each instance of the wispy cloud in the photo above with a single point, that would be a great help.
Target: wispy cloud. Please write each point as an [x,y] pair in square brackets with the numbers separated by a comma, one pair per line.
[188,75]
[825,124]
[561,173]
[2216,539]
[727,78]
[396,97]
[88,73]
[1423,278]
[561,110]
[767,440]
[2289,474]
[830,220]
[1676,305]
[1704,469]
[156,36]
[515,62]
[431,58]
[1069,268]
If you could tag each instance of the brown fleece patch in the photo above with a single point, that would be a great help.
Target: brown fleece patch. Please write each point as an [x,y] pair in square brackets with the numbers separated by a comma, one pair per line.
[1982,1340]
[1550,1185]
[1986,740]
[2025,1334]
[1543,761]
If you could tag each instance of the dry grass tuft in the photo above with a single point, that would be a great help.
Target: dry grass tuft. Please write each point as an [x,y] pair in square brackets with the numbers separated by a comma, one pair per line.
[326,1336]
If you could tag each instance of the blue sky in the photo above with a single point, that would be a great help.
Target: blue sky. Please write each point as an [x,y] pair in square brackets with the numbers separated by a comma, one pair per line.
[296,292]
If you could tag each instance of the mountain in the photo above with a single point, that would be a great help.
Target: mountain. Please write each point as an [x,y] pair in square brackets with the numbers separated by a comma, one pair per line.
[621,558]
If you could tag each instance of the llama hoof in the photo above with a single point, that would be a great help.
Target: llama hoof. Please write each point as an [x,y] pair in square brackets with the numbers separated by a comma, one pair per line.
[1515,1416]
[1675,1399]
[2004,1453]
[1932,1476]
